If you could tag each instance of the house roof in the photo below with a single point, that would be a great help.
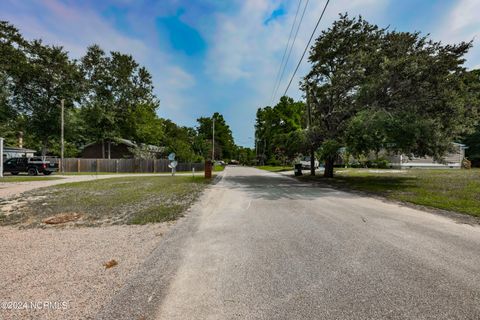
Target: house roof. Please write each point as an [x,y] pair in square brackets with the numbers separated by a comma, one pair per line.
[132,144]
[461,145]
[114,140]
[18,150]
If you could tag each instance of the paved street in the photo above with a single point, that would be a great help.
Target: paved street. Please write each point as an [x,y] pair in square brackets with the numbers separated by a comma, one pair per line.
[261,245]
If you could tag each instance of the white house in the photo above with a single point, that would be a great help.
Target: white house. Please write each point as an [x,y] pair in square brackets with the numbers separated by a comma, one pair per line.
[15,152]
[452,160]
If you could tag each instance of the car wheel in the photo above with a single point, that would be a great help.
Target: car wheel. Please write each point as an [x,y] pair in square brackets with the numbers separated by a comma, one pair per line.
[47,173]
[14,173]
[32,172]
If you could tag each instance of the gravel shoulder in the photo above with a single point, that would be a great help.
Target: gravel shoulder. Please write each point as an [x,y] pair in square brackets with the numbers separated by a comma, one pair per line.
[66,266]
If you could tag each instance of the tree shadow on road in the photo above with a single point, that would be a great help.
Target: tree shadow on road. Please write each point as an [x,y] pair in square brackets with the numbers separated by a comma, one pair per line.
[382,185]
[276,187]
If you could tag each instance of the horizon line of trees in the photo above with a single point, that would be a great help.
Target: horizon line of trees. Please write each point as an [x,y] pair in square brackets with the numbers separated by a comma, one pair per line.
[372,89]
[106,95]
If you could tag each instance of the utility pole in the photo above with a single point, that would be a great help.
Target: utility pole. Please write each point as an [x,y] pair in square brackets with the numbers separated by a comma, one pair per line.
[62,104]
[213,139]
[312,152]
[256,149]
[1,157]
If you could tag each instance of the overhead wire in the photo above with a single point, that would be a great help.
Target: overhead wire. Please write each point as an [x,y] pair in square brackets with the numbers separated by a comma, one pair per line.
[284,63]
[306,47]
[286,49]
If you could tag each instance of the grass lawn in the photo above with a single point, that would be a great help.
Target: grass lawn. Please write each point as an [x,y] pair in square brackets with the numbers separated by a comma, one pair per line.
[122,173]
[275,168]
[7,179]
[217,168]
[454,190]
[130,200]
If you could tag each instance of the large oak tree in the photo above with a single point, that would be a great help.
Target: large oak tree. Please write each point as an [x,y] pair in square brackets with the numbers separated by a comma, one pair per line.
[372,88]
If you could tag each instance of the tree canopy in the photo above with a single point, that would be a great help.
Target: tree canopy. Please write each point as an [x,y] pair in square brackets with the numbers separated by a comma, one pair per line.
[372,88]
[224,145]
[279,131]
[107,96]
[472,85]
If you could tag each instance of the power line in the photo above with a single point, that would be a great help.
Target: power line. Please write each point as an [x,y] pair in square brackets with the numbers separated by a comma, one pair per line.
[285,51]
[290,51]
[306,47]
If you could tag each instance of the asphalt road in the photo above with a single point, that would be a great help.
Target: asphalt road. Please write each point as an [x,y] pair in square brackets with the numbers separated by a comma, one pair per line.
[263,246]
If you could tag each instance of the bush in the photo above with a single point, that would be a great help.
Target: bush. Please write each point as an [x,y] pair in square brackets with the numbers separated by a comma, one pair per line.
[382,163]
[379,163]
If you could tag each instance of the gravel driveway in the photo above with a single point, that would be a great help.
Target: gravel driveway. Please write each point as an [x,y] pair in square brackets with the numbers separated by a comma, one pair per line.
[66,267]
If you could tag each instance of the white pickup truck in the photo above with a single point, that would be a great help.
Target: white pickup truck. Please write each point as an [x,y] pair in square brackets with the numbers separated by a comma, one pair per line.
[305,162]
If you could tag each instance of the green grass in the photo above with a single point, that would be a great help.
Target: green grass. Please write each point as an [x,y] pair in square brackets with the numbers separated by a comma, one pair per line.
[275,168]
[218,168]
[7,179]
[453,190]
[122,173]
[129,200]
[87,173]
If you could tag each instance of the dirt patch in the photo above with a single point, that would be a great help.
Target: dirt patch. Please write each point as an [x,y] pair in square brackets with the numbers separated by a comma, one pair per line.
[110,264]
[62,218]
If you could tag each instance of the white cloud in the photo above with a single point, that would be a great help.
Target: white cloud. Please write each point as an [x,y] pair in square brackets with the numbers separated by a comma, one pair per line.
[75,28]
[461,23]
[179,78]
[244,48]
[464,18]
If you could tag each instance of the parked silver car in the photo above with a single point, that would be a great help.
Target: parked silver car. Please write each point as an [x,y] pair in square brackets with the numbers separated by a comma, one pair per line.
[305,162]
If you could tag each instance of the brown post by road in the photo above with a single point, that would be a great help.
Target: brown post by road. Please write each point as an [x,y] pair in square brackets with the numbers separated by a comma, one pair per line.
[208,169]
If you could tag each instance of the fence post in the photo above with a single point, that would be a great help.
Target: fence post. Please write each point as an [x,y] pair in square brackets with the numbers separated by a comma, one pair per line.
[208,169]
[154,165]
[116,166]
[78,165]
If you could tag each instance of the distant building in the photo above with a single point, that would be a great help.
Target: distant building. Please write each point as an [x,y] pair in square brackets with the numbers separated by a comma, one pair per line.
[116,148]
[16,152]
[452,160]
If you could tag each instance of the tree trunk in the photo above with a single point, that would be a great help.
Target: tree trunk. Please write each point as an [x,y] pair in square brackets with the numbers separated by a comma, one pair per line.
[44,147]
[328,173]
[103,149]
[312,162]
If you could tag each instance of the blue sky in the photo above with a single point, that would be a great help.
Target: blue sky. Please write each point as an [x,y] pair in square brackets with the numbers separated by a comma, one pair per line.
[223,55]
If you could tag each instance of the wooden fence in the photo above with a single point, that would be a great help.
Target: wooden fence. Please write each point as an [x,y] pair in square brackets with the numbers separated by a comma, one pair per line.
[124,165]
